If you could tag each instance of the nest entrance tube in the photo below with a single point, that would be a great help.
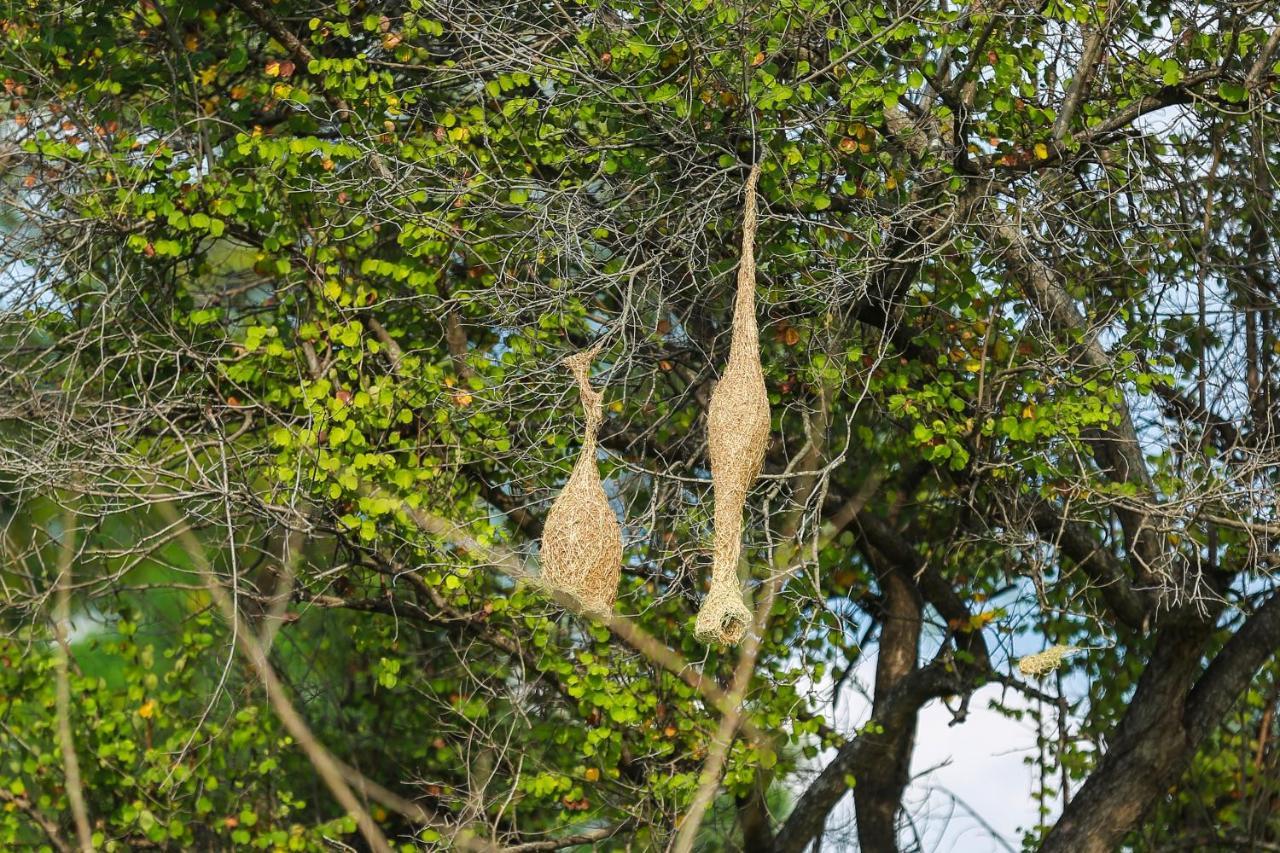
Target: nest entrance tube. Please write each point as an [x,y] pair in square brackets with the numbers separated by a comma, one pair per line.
[582,540]
[737,436]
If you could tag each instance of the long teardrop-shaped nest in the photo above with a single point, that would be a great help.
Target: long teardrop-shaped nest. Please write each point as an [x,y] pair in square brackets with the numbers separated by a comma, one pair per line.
[582,540]
[737,437]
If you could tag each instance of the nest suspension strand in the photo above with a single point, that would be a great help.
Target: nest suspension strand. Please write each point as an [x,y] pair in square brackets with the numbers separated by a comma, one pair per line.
[737,436]
[581,540]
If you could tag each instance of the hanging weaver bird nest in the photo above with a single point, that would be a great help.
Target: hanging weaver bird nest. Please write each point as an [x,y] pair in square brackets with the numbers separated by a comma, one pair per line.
[581,540]
[737,435]
[1045,662]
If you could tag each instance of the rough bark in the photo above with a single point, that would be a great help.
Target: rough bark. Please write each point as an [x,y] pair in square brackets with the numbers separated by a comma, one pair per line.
[1144,756]
[810,814]
[879,759]
[1175,707]
[883,769]
[1103,568]
[753,819]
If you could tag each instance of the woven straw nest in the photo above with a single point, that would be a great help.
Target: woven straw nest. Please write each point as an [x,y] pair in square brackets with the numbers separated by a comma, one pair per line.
[1045,662]
[581,540]
[737,436]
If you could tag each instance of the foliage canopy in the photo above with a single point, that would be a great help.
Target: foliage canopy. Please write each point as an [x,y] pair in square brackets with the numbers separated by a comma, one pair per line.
[306,273]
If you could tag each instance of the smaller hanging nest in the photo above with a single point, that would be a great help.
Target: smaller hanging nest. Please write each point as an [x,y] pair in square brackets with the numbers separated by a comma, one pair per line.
[581,540]
[1045,662]
[737,437]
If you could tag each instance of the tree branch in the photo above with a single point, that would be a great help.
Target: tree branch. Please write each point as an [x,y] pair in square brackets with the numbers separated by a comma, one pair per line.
[47,825]
[884,773]
[1102,567]
[266,20]
[590,837]
[1084,74]
[625,629]
[935,588]
[1233,669]
[326,766]
[940,678]
[61,628]
[1118,448]
[1150,747]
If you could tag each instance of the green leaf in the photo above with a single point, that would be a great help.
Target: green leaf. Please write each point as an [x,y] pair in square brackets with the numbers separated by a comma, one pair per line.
[1233,92]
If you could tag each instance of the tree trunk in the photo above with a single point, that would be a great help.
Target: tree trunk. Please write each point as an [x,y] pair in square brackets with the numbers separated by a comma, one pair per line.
[884,769]
[1151,748]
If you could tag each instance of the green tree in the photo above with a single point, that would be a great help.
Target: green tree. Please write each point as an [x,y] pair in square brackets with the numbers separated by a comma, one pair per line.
[287,288]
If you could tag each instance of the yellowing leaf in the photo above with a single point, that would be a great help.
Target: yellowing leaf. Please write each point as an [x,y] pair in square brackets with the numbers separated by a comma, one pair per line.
[148,709]
[978,620]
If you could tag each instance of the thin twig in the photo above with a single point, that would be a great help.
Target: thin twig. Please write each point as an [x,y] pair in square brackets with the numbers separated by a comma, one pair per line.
[328,768]
[62,658]
[47,825]
[590,837]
